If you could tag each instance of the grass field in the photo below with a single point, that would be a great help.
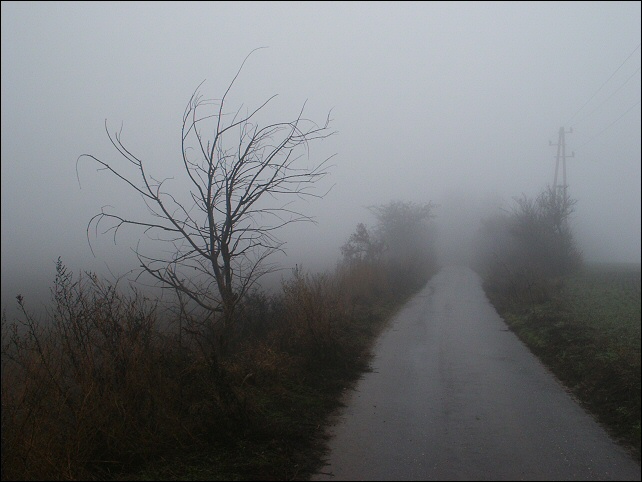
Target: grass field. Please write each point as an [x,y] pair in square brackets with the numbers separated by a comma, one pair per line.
[607,298]
[589,336]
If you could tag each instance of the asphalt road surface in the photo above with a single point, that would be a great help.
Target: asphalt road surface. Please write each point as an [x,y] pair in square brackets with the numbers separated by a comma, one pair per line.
[454,395]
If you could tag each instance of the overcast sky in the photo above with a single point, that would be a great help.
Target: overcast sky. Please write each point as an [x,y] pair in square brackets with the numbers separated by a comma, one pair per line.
[450,102]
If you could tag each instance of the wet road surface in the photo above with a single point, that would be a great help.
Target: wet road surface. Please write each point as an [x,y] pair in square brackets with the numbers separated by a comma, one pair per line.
[454,395]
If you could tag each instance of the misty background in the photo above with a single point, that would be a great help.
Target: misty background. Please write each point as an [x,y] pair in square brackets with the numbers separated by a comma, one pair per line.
[451,102]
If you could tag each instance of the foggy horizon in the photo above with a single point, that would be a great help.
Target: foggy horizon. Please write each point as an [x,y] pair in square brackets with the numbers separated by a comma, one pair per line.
[444,102]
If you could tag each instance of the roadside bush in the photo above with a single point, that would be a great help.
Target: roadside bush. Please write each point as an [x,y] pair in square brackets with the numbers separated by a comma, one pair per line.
[95,387]
[402,244]
[522,254]
[107,384]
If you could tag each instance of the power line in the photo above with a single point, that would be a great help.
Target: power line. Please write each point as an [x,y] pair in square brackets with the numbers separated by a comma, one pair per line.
[607,99]
[605,82]
[611,124]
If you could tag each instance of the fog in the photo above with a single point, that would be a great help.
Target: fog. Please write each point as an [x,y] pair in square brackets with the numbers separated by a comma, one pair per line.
[451,102]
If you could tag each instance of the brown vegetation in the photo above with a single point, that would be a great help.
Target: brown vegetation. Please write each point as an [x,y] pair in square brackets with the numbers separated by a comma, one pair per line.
[110,385]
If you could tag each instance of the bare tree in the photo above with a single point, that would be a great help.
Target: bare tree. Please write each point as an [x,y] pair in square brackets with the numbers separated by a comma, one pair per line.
[402,243]
[242,177]
[543,233]
[523,253]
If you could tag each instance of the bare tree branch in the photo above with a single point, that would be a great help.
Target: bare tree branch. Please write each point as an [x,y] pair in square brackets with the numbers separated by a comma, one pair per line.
[242,178]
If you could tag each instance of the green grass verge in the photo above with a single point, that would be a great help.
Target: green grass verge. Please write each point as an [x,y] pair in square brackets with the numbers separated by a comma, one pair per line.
[589,336]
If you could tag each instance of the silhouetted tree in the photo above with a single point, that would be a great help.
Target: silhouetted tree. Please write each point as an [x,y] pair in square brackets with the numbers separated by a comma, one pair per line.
[542,229]
[524,250]
[403,226]
[240,176]
[362,246]
[402,240]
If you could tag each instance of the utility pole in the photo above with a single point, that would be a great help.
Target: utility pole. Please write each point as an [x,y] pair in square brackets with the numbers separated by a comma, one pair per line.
[561,156]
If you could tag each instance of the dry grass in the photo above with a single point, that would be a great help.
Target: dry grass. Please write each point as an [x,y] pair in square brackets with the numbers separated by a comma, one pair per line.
[93,388]
[98,390]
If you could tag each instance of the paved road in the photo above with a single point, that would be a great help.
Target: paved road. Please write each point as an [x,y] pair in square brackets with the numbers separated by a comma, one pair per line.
[454,395]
